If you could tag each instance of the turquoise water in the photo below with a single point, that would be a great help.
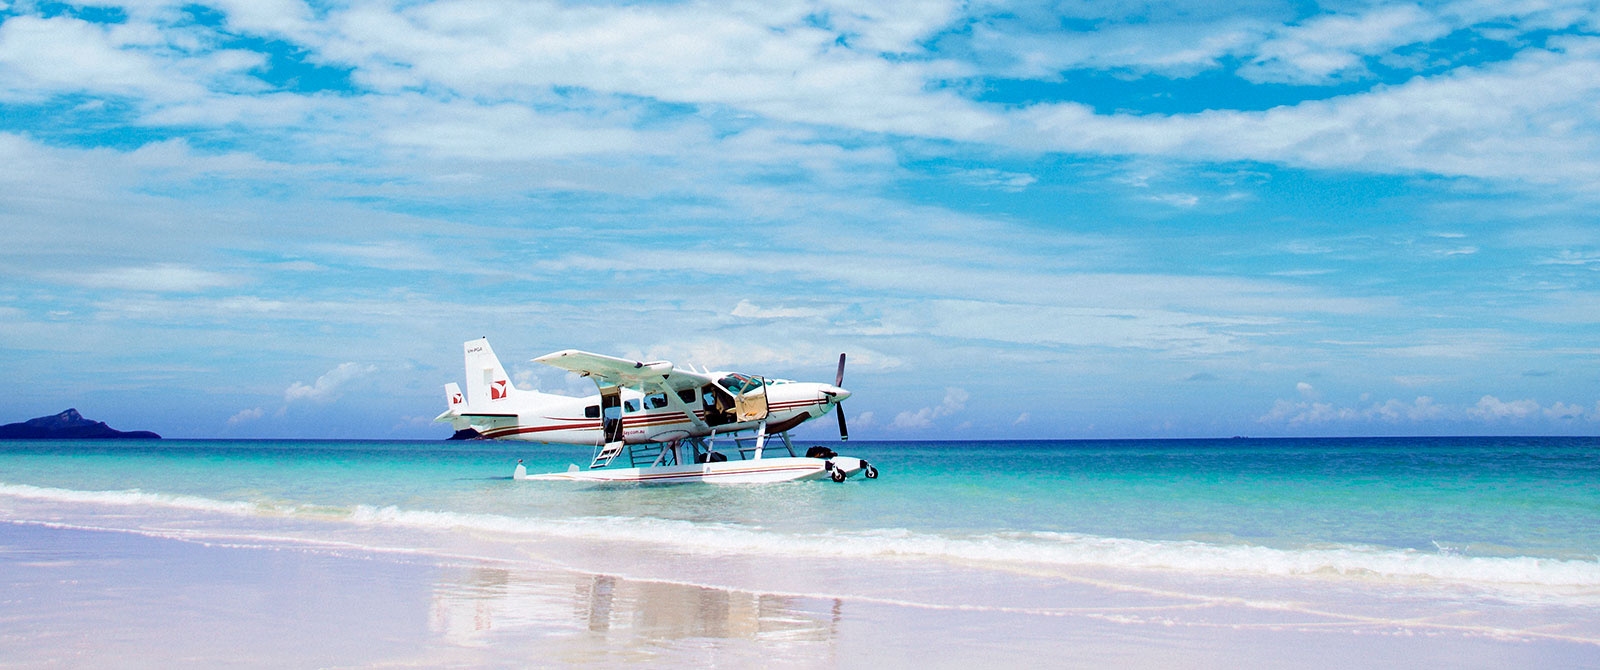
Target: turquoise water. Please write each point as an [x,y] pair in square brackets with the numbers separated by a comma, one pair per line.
[1495,510]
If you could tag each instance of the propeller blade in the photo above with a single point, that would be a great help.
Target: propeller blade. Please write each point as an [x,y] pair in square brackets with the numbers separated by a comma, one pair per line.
[844,433]
[838,379]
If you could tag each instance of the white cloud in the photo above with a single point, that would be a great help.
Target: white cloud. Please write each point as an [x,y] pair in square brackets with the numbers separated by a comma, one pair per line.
[1421,409]
[955,400]
[1010,182]
[246,415]
[1490,408]
[746,310]
[1580,307]
[772,62]
[1021,419]
[1529,118]
[289,18]
[890,26]
[1169,48]
[1072,326]
[1561,410]
[1324,47]
[1321,49]
[1391,411]
[164,277]
[40,57]
[512,132]
[546,379]
[1420,380]
[1183,200]
[1293,413]
[1570,257]
[1306,389]
[327,386]
[768,359]
[863,419]
[492,70]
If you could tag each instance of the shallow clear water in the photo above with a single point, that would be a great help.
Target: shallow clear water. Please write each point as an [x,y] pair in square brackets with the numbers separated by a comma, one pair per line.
[1481,510]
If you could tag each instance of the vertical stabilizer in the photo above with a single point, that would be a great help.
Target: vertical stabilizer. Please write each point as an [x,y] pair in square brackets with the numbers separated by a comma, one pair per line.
[453,399]
[487,382]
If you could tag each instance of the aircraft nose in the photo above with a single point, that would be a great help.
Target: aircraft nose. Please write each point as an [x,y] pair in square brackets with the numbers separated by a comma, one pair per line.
[834,394]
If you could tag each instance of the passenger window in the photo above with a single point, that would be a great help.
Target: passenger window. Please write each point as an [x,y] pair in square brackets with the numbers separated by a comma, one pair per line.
[591,412]
[655,401]
[687,396]
[630,406]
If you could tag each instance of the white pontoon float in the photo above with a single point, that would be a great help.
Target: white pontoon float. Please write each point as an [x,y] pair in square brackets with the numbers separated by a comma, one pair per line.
[697,460]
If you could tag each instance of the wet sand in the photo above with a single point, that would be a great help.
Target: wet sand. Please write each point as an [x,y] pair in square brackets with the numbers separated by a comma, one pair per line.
[97,599]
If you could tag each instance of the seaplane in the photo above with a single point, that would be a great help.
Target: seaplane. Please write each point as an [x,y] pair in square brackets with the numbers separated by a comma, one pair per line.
[654,422]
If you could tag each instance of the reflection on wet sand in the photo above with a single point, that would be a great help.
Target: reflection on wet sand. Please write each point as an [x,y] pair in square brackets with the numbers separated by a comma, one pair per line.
[481,605]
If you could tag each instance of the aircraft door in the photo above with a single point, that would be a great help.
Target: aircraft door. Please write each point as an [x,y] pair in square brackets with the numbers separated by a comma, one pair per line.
[610,414]
[752,404]
[749,396]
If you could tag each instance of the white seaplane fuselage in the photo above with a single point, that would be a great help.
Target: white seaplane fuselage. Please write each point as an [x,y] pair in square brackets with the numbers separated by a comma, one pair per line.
[651,423]
[569,420]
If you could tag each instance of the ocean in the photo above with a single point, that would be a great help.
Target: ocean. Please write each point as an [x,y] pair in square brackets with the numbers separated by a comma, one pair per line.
[1493,540]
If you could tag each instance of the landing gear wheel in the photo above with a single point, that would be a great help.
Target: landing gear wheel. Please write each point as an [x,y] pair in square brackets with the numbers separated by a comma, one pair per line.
[838,475]
[868,471]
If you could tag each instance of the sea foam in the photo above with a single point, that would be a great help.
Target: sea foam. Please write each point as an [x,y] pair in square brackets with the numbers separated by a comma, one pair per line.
[1033,548]
[1001,549]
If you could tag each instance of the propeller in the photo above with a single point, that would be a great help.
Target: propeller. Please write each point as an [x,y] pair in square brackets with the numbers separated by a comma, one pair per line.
[838,382]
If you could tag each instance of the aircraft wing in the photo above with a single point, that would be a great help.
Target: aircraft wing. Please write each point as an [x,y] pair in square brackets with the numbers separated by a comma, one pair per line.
[655,376]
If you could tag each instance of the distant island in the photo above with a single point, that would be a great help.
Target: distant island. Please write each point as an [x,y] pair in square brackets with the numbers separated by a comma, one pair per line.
[68,425]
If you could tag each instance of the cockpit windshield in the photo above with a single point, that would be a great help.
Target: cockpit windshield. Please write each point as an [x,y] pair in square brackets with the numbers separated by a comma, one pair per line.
[739,384]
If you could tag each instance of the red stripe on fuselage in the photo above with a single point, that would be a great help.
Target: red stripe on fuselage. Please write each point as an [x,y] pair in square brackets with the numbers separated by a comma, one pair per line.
[637,421]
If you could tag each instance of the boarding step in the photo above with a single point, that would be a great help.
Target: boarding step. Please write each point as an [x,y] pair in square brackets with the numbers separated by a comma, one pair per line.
[606,454]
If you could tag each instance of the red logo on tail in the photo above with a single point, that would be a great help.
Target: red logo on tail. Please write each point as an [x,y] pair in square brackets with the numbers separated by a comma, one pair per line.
[497,390]
[455,399]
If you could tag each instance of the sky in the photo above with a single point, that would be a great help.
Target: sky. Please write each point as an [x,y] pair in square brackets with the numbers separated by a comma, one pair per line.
[274,218]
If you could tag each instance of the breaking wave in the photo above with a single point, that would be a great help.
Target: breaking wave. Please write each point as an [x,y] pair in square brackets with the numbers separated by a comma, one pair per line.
[138,497]
[998,548]
[1031,548]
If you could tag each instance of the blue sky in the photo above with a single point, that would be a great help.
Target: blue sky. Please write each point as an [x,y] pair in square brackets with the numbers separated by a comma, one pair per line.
[269,218]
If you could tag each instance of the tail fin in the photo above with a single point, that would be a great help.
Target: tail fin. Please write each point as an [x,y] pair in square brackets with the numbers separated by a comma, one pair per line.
[454,402]
[486,380]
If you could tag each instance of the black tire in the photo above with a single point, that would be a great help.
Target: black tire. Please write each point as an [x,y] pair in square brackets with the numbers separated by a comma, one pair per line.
[869,472]
[838,475]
